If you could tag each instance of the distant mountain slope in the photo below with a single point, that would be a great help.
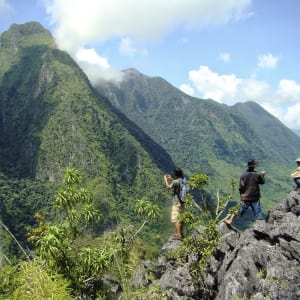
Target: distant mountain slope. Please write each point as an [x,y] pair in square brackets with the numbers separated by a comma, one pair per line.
[297,131]
[205,135]
[51,118]
[277,138]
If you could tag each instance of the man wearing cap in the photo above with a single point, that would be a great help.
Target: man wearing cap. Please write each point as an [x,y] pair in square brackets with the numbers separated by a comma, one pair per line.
[296,175]
[298,162]
[249,191]
[291,202]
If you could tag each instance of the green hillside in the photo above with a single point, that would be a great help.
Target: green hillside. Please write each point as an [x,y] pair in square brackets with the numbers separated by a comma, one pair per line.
[277,138]
[51,118]
[207,136]
[121,139]
[19,37]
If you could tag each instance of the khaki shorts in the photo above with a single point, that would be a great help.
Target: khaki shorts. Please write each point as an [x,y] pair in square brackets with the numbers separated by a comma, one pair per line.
[176,211]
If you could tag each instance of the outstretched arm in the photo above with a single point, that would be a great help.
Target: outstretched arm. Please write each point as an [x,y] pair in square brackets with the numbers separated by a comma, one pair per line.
[262,177]
[166,177]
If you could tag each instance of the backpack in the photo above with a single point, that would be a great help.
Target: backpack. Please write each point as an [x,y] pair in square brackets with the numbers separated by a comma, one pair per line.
[183,190]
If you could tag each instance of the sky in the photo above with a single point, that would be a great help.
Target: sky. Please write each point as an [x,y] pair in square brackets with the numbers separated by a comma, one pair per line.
[226,50]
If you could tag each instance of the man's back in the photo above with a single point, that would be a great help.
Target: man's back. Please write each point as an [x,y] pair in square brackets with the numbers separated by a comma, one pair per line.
[249,185]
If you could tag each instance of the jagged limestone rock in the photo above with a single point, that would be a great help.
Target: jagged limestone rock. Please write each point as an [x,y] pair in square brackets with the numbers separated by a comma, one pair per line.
[263,262]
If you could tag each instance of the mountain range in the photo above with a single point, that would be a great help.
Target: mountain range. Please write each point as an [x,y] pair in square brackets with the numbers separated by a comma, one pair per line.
[121,137]
[52,118]
[203,135]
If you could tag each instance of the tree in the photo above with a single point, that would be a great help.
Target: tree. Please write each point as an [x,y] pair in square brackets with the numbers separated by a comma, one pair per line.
[205,218]
[67,247]
[31,281]
[58,242]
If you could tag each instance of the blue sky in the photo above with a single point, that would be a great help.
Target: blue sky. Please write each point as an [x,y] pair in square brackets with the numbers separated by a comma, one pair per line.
[227,50]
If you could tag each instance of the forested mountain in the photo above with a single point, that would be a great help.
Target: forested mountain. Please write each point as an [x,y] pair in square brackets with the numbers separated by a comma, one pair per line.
[205,135]
[278,141]
[121,139]
[52,118]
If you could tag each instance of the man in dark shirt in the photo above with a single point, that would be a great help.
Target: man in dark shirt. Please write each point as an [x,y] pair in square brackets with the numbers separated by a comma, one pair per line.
[250,192]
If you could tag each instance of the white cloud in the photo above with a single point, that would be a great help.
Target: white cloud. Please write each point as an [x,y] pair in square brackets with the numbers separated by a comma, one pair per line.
[186,88]
[291,117]
[214,86]
[288,90]
[80,20]
[225,57]
[79,23]
[90,56]
[288,115]
[95,66]
[267,61]
[275,110]
[251,89]
[282,102]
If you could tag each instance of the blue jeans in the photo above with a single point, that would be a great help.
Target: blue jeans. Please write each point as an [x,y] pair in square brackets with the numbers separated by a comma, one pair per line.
[255,206]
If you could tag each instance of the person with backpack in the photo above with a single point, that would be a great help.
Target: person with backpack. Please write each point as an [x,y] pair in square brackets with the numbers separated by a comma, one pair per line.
[178,184]
[250,191]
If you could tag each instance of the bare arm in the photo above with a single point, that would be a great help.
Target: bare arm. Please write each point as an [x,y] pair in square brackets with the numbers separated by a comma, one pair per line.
[262,177]
[166,178]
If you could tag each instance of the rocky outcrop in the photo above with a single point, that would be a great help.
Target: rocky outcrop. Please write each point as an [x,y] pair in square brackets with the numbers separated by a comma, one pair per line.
[260,263]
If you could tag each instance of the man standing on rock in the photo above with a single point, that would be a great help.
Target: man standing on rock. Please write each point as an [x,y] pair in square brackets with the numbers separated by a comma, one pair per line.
[250,192]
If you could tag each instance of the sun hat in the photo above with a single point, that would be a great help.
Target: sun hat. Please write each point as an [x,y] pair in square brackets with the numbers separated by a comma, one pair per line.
[252,163]
[296,173]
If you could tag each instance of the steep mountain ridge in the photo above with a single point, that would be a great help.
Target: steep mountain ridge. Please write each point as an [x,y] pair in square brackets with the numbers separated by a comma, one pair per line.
[20,37]
[205,135]
[52,118]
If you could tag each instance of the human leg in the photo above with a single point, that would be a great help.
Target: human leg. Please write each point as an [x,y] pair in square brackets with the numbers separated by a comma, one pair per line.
[176,211]
[242,210]
[230,220]
[245,206]
[179,230]
[256,208]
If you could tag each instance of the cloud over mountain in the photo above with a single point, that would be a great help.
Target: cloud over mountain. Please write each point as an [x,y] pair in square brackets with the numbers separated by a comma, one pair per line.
[282,102]
[79,23]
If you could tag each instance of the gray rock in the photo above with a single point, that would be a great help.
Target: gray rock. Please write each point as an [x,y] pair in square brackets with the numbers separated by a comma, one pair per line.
[179,280]
[263,262]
